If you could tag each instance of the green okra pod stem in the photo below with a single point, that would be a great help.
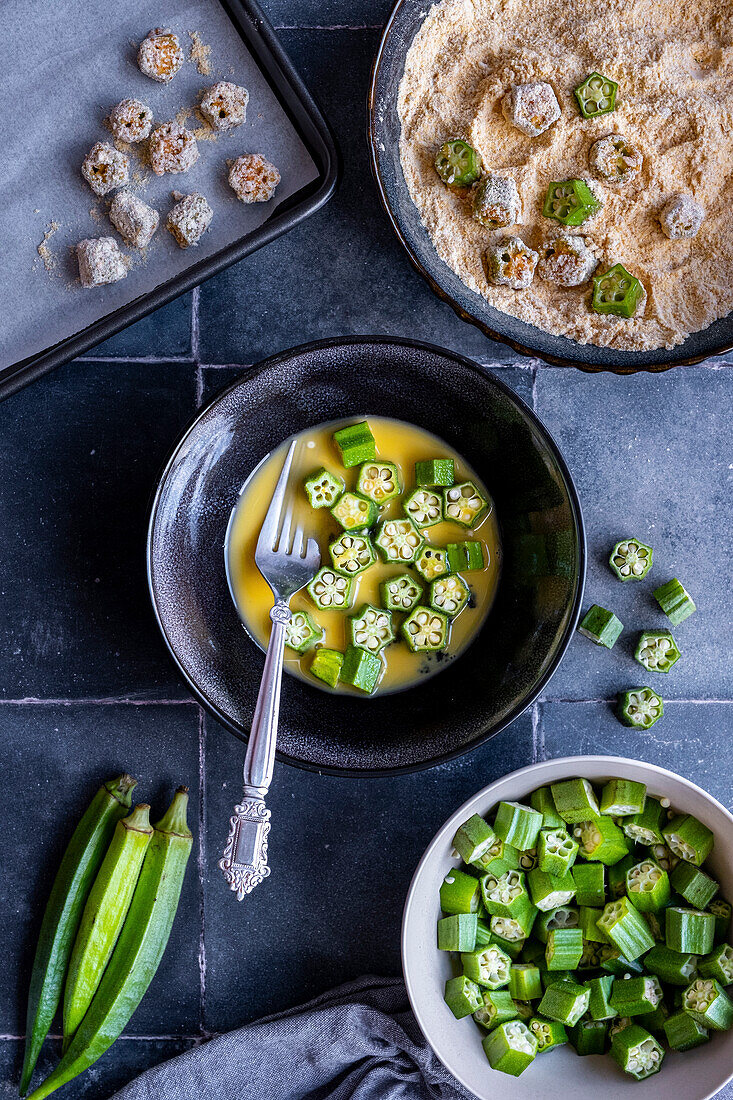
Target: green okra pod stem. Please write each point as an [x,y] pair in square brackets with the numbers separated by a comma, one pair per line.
[138,950]
[104,914]
[74,878]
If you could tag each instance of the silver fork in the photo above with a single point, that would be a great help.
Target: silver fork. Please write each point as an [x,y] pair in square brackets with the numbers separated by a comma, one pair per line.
[287,567]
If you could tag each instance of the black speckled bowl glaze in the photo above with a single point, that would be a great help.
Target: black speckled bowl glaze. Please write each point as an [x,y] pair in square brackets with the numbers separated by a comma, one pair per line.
[539,595]
[384,137]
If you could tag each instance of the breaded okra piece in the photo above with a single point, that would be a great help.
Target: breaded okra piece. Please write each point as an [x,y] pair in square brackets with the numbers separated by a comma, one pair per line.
[615,159]
[510,263]
[681,217]
[160,55]
[253,178]
[224,105]
[496,202]
[189,219]
[100,261]
[104,168]
[566,261]
[133,219]
[532,108]
[172,149]
[131,120]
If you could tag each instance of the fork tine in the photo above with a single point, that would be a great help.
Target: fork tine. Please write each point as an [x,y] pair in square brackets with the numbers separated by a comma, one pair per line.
[269,532]
[298,542]
[283,543]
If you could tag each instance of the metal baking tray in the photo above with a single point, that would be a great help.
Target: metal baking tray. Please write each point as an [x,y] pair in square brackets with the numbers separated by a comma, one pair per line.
[87,60]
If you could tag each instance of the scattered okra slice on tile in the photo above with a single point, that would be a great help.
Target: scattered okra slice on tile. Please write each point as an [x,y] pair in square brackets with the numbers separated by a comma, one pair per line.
[640,707]
[675,601]
[601,626]
[631,559]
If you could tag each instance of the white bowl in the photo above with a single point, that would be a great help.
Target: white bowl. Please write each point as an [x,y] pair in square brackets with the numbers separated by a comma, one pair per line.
[697,1075]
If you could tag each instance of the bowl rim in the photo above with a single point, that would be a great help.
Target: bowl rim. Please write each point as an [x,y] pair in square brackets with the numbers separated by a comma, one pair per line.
[374,139]
[243,380]
[575,766]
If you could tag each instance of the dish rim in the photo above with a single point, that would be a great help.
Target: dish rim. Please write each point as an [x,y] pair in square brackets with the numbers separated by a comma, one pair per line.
[464,315]
[379,341]
[575,766]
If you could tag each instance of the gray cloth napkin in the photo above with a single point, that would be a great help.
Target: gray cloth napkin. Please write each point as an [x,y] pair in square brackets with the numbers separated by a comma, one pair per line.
[358,1042]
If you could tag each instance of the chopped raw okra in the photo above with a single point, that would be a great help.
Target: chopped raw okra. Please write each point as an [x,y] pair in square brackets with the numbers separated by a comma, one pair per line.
[457,932]
[637,1052]
[352,554]
[601,626]
[599,1004]
[355,444]
[567,261]
[570,202]
[326,665]
[323,488]
[431,562]
[626,928]
[531,107]
[722,911]
[718,964]
[361,669]
[615,159]
[460,893]
[681,217]
[505,895]
[489,966]
[424,507]
[379,481]
[646,826]
[398,540]
[510,1047]
[465,557]
[602,840]
[542,801]
[329,590]
[689,931]
[589,879]
[596,95]
[400,593]
[675,601]
[672,967]
[575,800]
[449,595]
[496,203]
[497,1007]
[631,559]
[425,630]
[457,163]
[354,512]
[524,982]
[588,1037]
[619,292]
[640,707]
[647,887]
[634,996]
[693,885]
[657,650]
[556,851]
[689,839]
[684,1033]
[473,838]
[565,1001]
[510,263]
[564,948]
[621,797]
[435,472]
[550,891]
[588,922]
[514,929]
[517,824]
[301,632]
[548,1033]
[371,628]
[709,1004]
[462,996]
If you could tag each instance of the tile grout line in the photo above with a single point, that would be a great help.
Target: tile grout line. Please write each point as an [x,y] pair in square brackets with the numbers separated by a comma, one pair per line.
[535,375]
[195,342]
[612,701]
[112,701]
[535,731]
[133,359]
[201,860]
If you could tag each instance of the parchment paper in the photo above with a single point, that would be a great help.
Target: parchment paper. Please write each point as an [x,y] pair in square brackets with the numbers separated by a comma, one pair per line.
[63,65]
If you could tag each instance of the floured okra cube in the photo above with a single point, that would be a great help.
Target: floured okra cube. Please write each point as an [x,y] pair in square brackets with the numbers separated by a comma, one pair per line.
[424,507]
[189,219]
[398,540]
[457,163]
[431,562]
[631,559]
[510,263]
[532,108]
[570,202]
[104,168]
[681,217]
[465,504]
[640,707]
[301,632]
[224,105]
[566,261]
[596,95]
[380,481]
[618,292]
[323,488]
[100,261]
[425,630]
[133,219]
[370,628]
[131,120]
[449,594]
[496,203]
[615,159]
[160,55]
[657,650]
[172,149]
[400,593]
[253,178]
[329,590]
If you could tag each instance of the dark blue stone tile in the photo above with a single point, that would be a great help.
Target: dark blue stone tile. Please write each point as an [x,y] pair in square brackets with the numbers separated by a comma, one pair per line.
[80,453]
[57,757]
[693,739]
[343,270]
[125,1060]
[650,455]
[164,333]
[342,853]
[327,13]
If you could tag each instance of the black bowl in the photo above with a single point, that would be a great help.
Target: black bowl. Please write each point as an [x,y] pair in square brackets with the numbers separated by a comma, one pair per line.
[384,137]
[539,594]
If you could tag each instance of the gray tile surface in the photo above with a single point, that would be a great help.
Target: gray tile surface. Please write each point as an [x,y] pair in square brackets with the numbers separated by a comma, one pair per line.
[79,455]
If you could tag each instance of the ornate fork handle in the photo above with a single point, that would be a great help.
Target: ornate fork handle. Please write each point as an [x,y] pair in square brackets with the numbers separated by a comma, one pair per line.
[244,862]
